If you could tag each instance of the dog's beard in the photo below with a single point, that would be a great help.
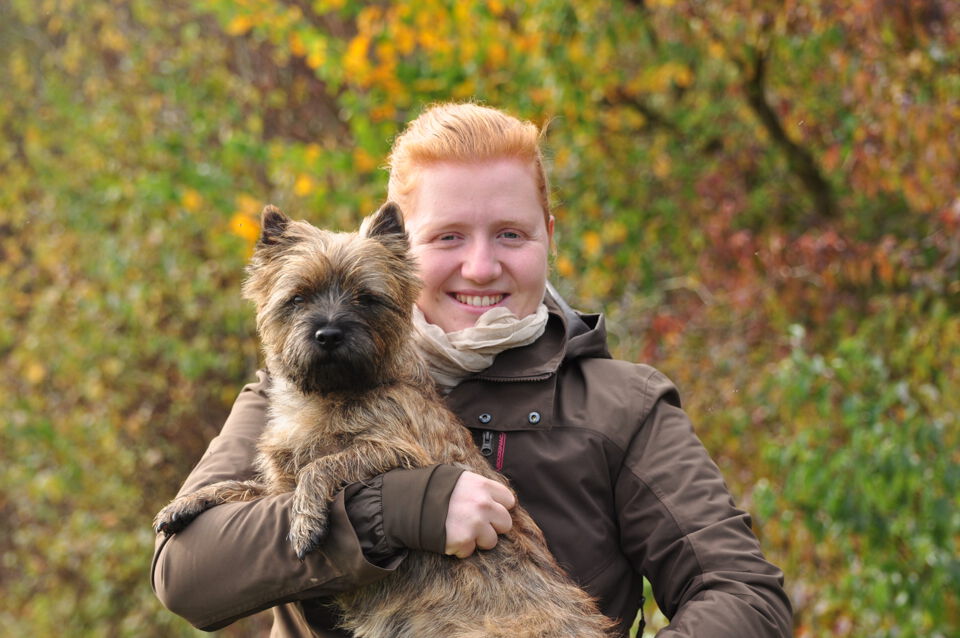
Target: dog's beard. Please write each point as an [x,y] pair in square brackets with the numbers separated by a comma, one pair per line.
[313,369]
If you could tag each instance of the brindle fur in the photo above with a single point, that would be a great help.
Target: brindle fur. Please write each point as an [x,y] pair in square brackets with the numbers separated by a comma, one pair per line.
[348,412]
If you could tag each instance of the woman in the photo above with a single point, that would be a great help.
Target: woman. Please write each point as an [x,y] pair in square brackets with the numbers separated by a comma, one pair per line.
[599,451]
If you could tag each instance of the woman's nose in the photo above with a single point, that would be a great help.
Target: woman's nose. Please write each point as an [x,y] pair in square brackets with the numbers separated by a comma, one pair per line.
[480,263]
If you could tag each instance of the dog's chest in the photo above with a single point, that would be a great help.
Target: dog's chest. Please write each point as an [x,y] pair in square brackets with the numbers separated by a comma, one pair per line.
[293,440]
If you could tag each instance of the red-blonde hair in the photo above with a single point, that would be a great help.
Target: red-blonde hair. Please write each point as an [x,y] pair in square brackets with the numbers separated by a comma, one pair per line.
[463,133]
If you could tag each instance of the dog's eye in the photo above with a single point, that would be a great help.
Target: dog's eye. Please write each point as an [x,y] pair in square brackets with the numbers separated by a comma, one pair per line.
[367,299]
[297,300]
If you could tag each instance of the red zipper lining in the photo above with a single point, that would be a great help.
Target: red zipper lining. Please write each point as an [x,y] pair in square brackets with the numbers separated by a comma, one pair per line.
[486,446]
[501,448]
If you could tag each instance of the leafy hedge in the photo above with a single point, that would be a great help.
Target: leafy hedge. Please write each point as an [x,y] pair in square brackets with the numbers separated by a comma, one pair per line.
[761,196]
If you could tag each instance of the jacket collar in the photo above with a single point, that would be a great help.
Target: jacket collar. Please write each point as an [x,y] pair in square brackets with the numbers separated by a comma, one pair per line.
[526,377]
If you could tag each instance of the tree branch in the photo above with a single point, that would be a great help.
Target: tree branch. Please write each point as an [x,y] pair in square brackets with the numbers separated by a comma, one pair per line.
[801,162]
[654,118]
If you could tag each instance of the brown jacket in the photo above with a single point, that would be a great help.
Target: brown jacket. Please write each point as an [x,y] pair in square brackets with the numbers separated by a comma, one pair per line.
[600,454]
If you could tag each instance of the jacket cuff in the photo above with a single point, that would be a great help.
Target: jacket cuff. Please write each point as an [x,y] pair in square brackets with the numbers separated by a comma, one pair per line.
[414,506]
[345,549]
[364,506]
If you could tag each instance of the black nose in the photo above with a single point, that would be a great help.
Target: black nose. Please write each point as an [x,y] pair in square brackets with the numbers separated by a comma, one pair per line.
[329,337]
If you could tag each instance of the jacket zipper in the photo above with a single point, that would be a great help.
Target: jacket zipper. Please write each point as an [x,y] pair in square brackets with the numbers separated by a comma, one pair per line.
[532,377]
[486,447]
[486,443]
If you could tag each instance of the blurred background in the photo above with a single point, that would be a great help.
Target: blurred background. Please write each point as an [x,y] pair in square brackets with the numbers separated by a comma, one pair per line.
[763,196]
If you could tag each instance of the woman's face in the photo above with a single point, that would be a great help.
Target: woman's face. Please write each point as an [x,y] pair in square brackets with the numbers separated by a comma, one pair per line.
[479,234]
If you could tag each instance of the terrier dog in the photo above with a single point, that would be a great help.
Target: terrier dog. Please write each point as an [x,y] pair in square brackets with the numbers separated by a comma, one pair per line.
[351,399]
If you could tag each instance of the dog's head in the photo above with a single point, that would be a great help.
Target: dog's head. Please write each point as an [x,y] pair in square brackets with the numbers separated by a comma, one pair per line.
[333,309]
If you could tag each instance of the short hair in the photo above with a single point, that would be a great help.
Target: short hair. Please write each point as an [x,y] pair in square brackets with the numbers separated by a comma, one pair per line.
[463,132]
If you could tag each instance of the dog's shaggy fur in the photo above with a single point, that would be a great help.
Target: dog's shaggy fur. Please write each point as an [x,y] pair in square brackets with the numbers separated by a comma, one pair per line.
[351,399]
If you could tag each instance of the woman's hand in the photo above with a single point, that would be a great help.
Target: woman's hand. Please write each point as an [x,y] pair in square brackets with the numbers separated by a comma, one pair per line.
[479,510]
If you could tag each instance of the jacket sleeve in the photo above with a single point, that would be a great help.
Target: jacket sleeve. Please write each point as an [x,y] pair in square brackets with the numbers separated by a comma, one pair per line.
[234,559]
[682,531]
[402,509]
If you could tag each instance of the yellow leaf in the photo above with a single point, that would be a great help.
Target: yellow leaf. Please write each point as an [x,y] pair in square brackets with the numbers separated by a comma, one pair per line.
[317,55]
[576,50]
[831,158]
[113,40]
[113,366]
[405,39]
[527,43]
[54,24]
[428,40]
[884,267]
[35,372]
[496,55]
[239,25]
[565,267]
[323,6]
[614,232]
[368,18]
[386,52]
[244,226]
[715,50]
[303,186]
[661,165]
[383,112]
[297,46]
[465,89]
[363,161]
[191,200]
[355,60]
[248,205]
[682,75]
[592,243]
[293,15]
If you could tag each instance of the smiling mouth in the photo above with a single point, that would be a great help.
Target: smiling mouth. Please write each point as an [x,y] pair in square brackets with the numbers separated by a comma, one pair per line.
[480,301]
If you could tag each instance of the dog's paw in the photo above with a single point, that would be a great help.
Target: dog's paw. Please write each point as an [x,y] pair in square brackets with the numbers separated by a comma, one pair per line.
[307,533]
[169,523]
[176,516]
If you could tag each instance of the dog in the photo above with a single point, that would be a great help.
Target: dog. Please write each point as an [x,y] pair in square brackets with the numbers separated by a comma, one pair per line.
[350,399]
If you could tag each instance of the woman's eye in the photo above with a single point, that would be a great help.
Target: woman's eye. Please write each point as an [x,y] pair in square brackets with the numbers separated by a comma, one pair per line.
[510,234]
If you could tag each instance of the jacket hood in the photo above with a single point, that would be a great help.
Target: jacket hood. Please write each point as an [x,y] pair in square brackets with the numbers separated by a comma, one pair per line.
[586,334]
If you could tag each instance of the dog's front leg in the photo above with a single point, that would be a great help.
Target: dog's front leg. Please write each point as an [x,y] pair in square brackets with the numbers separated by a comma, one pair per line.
[320,480]
[180,512]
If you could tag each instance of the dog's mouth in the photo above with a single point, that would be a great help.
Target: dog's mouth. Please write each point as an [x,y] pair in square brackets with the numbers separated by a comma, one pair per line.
[479,301]
[333,374]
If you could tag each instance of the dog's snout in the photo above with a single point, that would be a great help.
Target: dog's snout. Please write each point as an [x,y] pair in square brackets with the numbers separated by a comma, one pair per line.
[329,336]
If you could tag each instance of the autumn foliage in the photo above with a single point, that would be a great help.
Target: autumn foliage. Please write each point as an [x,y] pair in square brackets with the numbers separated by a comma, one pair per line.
[764,197]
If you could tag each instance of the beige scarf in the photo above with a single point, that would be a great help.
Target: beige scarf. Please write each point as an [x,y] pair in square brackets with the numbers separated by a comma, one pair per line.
[453,356]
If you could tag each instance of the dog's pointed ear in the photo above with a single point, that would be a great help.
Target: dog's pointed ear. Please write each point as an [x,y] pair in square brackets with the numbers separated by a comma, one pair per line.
[386,226]
[273,224]
[385,222]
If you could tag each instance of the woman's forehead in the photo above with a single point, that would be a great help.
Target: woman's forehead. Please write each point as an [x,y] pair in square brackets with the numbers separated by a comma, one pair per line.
[486,186]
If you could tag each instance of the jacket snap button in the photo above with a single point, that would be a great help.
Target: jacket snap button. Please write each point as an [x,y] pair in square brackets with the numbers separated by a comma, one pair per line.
[485,418]
[533,417]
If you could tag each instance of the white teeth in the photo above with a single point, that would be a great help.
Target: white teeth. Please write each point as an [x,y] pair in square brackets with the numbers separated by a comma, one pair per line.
[474,300]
